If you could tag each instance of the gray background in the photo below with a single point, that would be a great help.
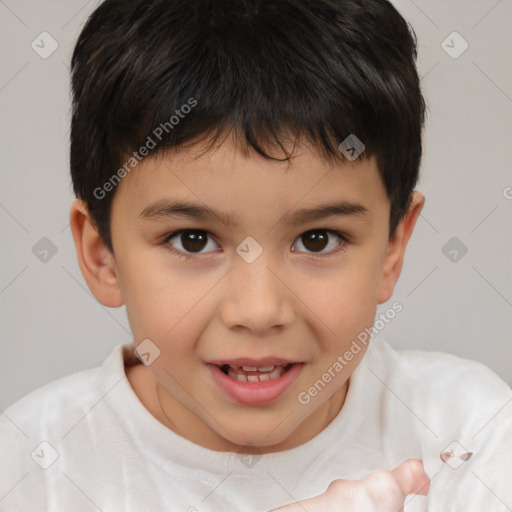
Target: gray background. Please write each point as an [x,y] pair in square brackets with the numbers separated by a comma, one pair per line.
[52,326]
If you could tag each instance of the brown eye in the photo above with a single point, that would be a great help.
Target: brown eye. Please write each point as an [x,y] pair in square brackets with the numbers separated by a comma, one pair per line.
[318,239]
[190,240]
[193,240]
[315,240]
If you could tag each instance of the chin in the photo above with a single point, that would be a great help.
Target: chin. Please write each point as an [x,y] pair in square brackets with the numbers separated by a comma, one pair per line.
[251,436]
[258,445]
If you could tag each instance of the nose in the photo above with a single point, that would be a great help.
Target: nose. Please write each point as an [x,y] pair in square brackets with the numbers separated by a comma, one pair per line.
[257,297]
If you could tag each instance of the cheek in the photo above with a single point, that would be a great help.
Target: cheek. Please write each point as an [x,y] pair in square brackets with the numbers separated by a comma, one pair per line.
[345,302]
[161,303]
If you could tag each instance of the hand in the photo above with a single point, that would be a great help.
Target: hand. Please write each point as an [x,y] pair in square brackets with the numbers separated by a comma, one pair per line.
[382,491]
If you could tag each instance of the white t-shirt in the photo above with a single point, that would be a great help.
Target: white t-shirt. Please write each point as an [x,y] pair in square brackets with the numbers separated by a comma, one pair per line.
[86,443]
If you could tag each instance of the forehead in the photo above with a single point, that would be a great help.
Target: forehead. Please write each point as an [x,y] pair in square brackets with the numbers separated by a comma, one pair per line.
[225,179]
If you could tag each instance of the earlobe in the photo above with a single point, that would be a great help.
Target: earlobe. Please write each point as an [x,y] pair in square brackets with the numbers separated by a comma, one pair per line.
[95,260]
[394,258]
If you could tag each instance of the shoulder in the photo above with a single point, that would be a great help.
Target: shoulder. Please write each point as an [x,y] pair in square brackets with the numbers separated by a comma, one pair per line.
[453,413]
[69,391]
[50,410]
[437,372]
[447,394]
[55,429]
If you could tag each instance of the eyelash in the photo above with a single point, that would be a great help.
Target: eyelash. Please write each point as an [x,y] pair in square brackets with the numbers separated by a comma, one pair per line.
[193,256]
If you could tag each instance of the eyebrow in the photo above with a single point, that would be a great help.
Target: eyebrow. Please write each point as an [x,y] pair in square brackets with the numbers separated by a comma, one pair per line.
[179,209]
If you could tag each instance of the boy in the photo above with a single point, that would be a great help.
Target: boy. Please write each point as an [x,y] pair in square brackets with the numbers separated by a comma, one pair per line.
[245,175]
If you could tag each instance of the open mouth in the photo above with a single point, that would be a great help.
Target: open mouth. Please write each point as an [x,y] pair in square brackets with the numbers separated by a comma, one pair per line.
[253,373]
[255,382]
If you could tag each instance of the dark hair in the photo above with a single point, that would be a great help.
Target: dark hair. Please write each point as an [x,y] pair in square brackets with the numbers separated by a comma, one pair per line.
[261,70]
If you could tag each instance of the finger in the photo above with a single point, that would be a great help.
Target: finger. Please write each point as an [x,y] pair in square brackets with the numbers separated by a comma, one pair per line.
[411,477]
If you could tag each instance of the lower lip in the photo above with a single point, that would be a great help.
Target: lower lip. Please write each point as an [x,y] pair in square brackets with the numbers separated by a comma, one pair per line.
[255,393]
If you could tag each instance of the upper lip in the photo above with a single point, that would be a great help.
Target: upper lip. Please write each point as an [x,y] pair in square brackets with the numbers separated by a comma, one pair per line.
[258,363]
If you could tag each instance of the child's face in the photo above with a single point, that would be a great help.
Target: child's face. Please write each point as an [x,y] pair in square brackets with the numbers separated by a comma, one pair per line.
[301,300]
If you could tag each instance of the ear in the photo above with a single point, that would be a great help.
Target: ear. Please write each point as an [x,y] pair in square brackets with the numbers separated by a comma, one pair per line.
[96,261]
[394,258]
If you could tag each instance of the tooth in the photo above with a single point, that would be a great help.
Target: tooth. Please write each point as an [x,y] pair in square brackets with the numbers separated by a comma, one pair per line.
[249,368]
[241,378]
[252,378]
[276,373]
[266,368]
[264,376]
[231,374]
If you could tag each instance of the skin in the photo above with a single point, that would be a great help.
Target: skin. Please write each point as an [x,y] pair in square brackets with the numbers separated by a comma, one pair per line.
[299,305]
[382,491]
